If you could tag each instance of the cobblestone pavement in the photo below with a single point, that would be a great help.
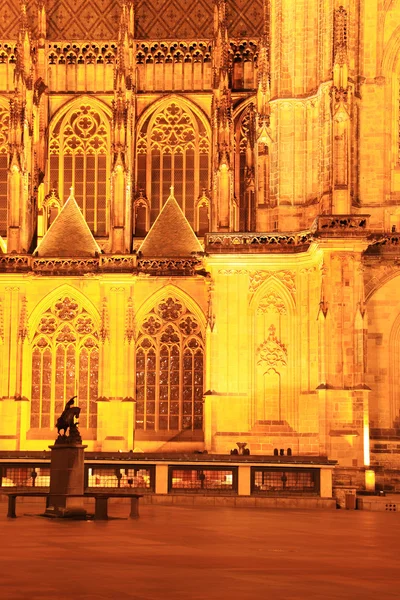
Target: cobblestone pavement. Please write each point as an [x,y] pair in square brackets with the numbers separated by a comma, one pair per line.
[178,553]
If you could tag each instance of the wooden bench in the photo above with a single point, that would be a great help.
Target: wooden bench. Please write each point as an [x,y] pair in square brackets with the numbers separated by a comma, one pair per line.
[12,500]
[101,503]
[100,498]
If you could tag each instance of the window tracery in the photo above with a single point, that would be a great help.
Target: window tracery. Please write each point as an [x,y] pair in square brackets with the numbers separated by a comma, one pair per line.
[173,150]
[51,208]
[244,161]
[65,363]
[4,125]
[79,158]
[169,369]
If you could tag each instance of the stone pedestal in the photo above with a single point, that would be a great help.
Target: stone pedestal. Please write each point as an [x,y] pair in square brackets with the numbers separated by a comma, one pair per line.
[66,481]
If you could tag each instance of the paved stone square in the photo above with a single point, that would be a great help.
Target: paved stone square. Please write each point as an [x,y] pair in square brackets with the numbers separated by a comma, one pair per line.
[179,553]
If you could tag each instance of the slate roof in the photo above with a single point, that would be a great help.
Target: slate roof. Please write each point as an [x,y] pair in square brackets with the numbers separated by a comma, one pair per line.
[69,235]
[170,234]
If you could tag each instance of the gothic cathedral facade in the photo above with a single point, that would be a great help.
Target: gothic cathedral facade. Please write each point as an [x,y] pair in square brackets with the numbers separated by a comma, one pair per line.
[200,225]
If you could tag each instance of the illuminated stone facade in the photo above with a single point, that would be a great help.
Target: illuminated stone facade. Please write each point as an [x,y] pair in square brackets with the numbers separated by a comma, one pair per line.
[258,143]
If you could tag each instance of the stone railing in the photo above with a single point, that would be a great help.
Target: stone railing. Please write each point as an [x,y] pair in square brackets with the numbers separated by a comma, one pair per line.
[114,263]
[387,243]
[65,265]
[257,242]
[15,262]
[157,266]
[337,225]
[126,263]
[118,262]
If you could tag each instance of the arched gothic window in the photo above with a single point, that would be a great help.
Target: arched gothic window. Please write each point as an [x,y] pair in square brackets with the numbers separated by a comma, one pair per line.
[245,167]
[169,369]
[173,149]
[65,363]
[79,157]
[4,124]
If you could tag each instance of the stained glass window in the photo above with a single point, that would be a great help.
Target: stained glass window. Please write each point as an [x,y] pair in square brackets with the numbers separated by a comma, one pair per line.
[79,157]
[65,363]
[173,150]
[170,369]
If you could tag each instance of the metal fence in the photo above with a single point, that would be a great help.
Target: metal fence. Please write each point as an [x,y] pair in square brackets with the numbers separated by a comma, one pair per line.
[139,477]
[195,478]
[269,481]
[199,479]
[24,476]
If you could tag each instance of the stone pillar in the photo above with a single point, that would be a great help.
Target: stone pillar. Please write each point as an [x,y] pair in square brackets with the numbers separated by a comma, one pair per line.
[162,479]
[325,483]
[66,480]
[244,484]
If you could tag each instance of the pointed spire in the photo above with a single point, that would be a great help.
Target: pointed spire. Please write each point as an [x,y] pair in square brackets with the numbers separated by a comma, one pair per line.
[124,64]
[69,235]
[23,16]
[23,66]
[41,22]
[264,79]
[170,234]
[263,63]
[340,68]
[221,45]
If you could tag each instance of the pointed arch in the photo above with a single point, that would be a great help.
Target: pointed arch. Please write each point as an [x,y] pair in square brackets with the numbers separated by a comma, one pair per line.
[59,292]
[159,104]
[65,358]
[172,290]
[243,106]
[79,156]
[173,149]
[69,106]
[274,353]
[274,284]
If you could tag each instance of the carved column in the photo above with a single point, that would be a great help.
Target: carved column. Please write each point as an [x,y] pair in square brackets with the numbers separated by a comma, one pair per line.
[122,135]
[343,396]
[341,94]
[263,141]
[223,213]
[21,164]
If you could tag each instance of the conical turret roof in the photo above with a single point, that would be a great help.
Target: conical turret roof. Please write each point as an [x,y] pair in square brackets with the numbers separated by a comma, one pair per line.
[170,235]
[69,235]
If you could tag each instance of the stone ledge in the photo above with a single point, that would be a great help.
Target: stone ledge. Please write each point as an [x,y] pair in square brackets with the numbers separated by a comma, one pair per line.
[241,501]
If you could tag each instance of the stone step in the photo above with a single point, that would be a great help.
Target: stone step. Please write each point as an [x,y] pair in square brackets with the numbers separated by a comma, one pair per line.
[270,426]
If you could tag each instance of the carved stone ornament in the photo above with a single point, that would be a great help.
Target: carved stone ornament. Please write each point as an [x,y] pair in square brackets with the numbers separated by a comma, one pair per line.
[286,277]
[104,328]
[23,320]
[272,352]
[271,302]
[170,309]
[130,321]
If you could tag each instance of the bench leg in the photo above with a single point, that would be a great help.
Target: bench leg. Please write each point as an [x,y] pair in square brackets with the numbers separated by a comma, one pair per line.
[134,508]
[100,509]
[12,501]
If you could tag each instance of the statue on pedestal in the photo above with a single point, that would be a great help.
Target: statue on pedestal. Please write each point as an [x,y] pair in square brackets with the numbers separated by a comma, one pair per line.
[67,421]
